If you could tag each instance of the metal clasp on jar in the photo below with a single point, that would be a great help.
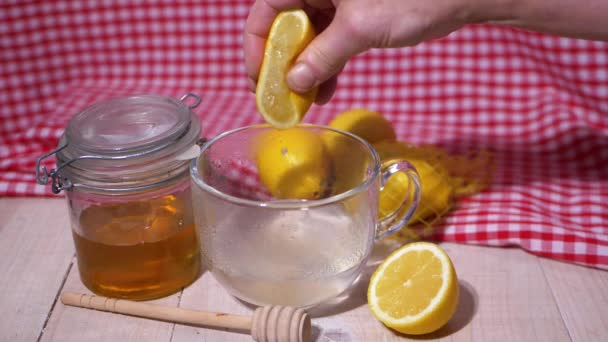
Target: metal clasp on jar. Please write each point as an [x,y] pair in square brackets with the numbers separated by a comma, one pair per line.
[59,183]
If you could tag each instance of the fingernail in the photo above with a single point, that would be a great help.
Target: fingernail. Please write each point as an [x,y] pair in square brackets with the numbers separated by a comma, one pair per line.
[301,78]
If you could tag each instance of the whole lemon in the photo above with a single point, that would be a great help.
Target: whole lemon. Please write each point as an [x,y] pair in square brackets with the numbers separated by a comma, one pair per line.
[293,163]
[349,159]
[369,125]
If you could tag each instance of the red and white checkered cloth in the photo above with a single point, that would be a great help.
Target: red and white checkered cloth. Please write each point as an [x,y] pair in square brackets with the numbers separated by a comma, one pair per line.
[539,102]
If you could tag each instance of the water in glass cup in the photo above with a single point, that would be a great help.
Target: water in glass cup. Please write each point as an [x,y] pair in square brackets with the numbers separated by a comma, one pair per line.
[316,253]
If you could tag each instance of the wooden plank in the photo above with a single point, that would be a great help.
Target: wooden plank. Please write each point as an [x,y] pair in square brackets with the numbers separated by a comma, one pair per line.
[581,294]
[35,253]
[206,294]
[504,295]
[507,294]
[77,324]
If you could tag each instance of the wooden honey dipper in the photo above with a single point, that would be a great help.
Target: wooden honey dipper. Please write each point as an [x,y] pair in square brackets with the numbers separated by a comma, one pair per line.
[268,323]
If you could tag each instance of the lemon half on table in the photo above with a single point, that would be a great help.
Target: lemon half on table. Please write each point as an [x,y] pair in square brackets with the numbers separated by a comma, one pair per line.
[290,33]
[415,289]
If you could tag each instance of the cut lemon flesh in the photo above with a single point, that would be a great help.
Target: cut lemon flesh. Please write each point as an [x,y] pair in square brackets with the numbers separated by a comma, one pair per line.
[415,290]
[281,107]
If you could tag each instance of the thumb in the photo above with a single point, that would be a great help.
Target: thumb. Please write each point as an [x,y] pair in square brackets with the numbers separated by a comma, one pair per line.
[325,56]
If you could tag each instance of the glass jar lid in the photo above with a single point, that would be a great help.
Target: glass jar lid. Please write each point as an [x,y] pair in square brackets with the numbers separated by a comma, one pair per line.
[125,144]
[127,124]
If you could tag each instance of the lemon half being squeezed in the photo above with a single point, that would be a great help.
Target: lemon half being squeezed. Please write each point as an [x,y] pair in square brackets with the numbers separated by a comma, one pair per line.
[281,107]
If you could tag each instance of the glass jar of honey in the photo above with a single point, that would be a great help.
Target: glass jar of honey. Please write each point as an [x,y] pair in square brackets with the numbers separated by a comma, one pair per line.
[123,164]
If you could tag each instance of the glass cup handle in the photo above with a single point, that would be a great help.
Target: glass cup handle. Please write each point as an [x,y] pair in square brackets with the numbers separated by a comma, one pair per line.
[387,226]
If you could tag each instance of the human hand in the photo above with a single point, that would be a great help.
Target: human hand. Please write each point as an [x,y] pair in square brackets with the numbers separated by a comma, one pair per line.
[345,29]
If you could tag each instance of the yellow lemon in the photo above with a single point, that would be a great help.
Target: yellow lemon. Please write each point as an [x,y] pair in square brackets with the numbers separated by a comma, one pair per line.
[350,161]
[415,289]
[394,193]
[289,34]
[436,195]
[293,163]
[369,125]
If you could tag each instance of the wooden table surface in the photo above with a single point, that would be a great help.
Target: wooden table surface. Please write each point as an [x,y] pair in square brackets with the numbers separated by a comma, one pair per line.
[506,294]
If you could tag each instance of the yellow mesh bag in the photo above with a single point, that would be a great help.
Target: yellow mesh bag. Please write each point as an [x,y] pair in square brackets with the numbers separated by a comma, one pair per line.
[444,178]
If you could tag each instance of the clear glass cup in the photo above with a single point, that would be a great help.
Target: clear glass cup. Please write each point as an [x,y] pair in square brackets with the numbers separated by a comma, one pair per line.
[297,252]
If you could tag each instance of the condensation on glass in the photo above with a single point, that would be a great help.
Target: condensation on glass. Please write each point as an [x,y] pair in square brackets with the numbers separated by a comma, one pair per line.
[123,164]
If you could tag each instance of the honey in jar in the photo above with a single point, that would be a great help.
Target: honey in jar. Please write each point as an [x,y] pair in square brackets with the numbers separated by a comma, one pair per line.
[123,164]
[138,250]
